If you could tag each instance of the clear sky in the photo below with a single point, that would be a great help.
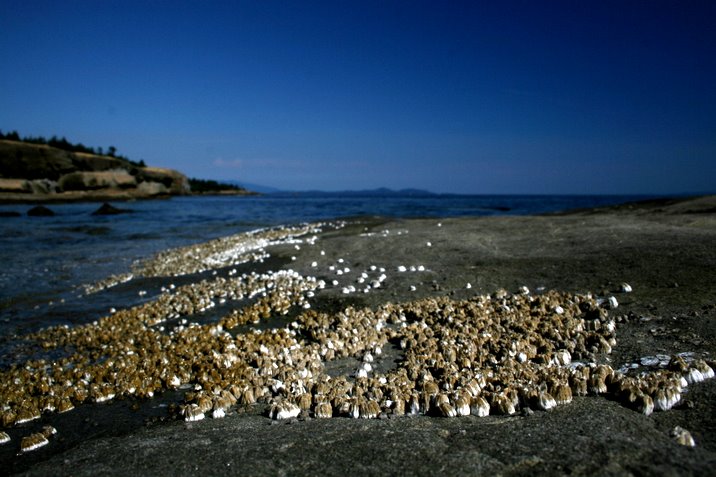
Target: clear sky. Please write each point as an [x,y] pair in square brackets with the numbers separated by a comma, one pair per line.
[466,97]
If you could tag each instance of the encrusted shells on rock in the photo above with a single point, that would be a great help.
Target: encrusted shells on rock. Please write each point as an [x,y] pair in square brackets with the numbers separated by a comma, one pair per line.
[479,407]
[683,437]
[666,398]
[284,410]
[545,401]
[192,412]
[458,357]
[503,404]
[33,441]
[445,409]
[706,371]
[323,410]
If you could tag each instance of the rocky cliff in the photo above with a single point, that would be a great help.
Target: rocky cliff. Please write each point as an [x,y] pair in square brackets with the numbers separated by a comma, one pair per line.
[33,172]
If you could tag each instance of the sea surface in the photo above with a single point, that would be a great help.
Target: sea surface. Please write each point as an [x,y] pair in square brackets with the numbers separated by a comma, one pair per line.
[44,261]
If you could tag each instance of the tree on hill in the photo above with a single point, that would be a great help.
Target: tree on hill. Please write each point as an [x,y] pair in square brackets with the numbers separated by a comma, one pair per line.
[199,186]
[65,145]
[11,136]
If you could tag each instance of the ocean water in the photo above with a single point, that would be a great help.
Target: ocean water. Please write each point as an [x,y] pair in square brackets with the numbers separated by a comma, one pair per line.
[45,260]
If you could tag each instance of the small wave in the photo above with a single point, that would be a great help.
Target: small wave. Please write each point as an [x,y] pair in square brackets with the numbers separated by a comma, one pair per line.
[87,229]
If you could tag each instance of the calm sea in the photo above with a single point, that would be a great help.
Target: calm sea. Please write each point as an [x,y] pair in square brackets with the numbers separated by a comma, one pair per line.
[44,260]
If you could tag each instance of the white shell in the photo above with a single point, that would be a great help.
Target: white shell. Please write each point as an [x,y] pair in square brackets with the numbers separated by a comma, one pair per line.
[683,437]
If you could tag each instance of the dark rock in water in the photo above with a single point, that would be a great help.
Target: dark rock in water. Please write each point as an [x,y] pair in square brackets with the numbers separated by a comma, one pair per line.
[499,208]
[108,209]
[10,213]
[40,211]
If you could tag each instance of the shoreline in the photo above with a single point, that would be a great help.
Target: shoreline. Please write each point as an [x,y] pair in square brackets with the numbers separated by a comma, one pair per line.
[118,196]
[664,254]
[631,201]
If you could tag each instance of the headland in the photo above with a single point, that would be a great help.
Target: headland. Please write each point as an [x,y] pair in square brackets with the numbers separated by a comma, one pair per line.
[40,173]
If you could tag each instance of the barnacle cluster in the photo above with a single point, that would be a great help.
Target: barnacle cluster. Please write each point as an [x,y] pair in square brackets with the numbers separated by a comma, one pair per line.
[221,252]
[489,354]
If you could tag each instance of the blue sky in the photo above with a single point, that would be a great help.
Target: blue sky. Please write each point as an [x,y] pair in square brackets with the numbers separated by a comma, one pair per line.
[467,97]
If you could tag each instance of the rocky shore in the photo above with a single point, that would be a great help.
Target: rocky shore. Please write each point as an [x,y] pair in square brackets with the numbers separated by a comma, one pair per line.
[633,299]
[35,173]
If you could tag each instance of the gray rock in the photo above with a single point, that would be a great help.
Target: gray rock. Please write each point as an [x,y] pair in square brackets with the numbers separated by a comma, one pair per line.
[40,211]
[108,209]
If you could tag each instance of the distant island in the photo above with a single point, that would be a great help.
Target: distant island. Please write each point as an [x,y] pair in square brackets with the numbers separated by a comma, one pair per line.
[380,192]
[35,169]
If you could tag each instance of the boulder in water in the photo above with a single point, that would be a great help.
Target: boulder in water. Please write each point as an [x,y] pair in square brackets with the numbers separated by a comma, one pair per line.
[109,209]
[40,211]
[9,213]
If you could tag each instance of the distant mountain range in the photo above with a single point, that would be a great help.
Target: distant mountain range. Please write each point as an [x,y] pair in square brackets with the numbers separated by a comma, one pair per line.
[379,192]
[261,189]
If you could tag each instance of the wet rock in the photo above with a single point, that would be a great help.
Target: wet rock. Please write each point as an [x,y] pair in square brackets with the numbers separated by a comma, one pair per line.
[109,209]
[40,211]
